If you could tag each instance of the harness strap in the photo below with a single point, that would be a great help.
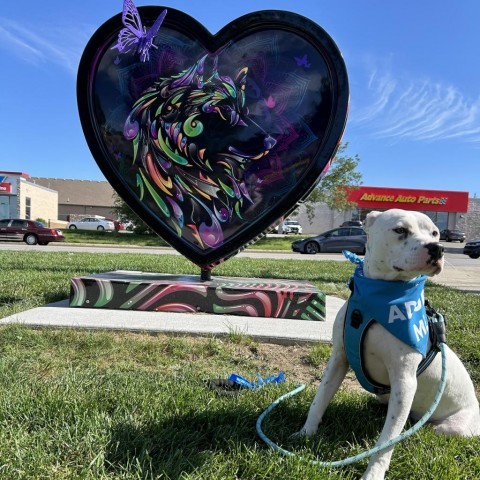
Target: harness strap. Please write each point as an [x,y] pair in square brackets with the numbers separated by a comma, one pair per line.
[356,337]
[437,330]
[432,353]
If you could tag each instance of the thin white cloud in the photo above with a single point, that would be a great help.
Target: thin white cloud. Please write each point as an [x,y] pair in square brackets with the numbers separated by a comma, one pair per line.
[415,109]
[49,44]
[10,40]
[384,87]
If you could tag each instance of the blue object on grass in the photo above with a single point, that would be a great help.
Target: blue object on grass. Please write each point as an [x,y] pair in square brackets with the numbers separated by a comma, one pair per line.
[243,382]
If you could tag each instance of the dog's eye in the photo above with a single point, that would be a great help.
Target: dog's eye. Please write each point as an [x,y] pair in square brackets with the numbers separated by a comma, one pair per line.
[435,233]
[400,230]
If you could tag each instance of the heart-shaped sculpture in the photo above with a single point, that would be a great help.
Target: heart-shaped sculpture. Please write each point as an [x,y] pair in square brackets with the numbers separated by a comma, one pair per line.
[211,139]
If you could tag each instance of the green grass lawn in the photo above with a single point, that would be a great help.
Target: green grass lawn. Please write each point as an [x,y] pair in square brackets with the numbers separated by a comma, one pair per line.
[113,238]
[153,240]
[104,405]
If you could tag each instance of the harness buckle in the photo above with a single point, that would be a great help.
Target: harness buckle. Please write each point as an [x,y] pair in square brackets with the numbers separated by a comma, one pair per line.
[438,323]
[440,328]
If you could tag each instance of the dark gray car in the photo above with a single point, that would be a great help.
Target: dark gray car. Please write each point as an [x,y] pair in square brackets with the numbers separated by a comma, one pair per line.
[472,248]
[452,235]
[353,239]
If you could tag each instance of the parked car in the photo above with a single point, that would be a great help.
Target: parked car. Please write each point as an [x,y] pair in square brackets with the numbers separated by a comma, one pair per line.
[290,226]
[334,241]
[472,249]
[117,224]
[92,223]
[452,235]
[352,223]
[28,231]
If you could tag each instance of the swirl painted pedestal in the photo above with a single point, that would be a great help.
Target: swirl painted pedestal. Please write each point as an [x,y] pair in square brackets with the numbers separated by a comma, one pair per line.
[253,297]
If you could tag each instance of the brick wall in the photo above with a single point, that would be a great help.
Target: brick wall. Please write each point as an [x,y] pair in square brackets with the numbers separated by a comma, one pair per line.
[470,222]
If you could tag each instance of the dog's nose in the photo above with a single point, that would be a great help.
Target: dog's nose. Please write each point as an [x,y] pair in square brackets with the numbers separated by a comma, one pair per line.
[435,250]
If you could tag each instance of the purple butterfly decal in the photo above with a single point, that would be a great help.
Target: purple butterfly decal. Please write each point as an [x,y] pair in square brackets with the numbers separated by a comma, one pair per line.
[303,62]
[135,35]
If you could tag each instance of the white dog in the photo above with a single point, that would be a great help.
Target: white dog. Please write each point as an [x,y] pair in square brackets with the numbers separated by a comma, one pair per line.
[401,246]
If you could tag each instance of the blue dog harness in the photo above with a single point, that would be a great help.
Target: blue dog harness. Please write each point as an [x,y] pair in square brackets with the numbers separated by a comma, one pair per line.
[398,306]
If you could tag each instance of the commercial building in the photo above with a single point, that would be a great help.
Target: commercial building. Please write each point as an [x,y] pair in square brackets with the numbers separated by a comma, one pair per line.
[53,199]
[448,209]
[78,198]
[443,207]
[22,198]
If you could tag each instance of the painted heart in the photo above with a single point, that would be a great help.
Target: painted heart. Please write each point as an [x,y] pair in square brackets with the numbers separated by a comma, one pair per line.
[212,139]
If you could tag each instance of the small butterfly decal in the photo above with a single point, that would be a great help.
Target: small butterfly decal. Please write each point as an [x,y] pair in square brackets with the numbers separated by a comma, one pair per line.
[303,62]
[135,35]
[270,102]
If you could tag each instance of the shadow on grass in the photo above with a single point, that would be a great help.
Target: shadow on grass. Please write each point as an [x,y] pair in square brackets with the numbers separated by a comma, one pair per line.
[355,419]
[181,443]
[189,441]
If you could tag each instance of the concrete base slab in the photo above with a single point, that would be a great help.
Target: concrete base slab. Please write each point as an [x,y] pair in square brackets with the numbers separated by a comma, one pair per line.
[270,330]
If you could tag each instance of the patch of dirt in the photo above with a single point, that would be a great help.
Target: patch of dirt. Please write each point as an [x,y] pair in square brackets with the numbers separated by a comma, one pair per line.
[292,360]
[264,358]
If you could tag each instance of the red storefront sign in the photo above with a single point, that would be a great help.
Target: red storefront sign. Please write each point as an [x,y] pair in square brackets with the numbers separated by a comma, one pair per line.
[409,199]
[5,187]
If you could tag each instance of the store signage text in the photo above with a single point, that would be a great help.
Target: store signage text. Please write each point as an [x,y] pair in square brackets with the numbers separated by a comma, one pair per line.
[402,199]
[5,187]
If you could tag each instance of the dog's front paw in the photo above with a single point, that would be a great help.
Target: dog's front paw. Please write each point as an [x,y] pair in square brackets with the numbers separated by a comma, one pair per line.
[298,435]
[304,432]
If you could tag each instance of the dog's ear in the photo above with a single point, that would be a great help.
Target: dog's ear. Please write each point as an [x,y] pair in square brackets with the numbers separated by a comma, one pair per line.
[370,219]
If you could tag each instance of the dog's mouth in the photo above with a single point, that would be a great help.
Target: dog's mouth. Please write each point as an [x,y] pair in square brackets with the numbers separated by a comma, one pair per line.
[438,266]
[435,267]
[434,262]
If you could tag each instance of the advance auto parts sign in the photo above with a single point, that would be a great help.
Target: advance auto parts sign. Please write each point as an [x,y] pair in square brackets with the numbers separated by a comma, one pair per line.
[410,199]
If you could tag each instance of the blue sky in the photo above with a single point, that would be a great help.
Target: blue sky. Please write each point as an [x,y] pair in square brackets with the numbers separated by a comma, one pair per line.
[413,70]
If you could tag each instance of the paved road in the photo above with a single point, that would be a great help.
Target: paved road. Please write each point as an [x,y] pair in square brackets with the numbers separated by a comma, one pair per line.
[460,271]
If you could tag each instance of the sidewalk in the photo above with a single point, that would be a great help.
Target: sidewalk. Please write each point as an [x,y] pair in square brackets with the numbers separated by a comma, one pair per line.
[270,330]
[466,279]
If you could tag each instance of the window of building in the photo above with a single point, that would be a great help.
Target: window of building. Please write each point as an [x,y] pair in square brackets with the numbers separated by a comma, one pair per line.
[440,219]
[28,208]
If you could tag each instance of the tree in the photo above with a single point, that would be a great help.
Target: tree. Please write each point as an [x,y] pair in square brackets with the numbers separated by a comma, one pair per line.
[340,180]
[127,216]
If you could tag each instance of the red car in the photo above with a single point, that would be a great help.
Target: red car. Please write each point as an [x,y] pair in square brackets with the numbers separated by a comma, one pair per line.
[28,231]
[118,225]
